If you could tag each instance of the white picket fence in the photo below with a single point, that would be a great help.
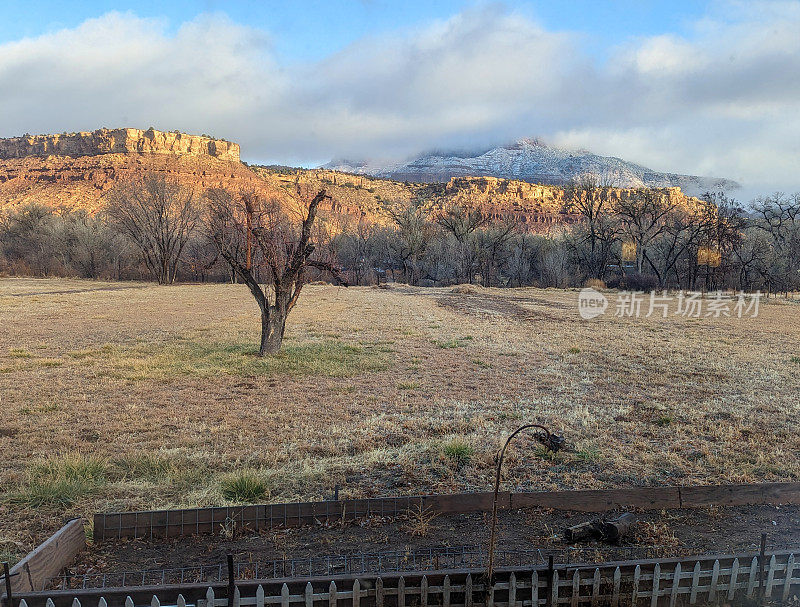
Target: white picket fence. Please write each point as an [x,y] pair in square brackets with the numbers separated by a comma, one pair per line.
[687,582]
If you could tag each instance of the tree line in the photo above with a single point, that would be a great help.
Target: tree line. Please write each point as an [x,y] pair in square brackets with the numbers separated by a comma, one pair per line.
[157,229]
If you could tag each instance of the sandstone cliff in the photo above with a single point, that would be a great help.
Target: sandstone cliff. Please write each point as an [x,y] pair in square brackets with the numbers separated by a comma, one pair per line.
[77,171]
[117,141]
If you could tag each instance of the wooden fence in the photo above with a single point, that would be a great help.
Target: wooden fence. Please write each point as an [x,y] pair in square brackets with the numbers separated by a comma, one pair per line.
[49,558]
[705,580]
[175,523]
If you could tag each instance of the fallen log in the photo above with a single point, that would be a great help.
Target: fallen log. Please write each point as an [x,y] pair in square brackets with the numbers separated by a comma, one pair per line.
[607,530]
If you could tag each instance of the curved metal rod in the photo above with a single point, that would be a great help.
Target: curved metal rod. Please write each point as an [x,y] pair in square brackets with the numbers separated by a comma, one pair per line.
[549,444]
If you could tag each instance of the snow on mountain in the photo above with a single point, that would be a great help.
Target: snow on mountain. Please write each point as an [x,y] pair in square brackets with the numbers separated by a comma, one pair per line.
[531,160]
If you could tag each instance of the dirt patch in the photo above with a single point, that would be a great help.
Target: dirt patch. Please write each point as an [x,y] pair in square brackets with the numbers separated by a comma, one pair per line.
[524,536]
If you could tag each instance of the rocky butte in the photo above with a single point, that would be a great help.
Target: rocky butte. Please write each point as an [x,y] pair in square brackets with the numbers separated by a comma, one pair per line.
[77,170]
[117,141]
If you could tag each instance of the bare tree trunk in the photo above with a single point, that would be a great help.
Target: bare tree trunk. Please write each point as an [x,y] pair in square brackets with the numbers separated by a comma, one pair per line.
[273,324]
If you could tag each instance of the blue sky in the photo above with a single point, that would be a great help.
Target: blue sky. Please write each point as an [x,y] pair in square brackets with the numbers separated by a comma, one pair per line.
[710,88]
[311,30]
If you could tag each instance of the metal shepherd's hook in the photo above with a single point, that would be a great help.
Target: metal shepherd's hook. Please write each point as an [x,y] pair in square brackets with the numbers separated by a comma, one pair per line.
[552,442]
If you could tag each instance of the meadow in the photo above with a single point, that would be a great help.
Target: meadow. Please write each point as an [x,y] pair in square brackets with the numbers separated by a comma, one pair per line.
[135,396]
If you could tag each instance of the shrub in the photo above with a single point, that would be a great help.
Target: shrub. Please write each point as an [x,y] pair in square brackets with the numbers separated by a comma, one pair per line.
[595,283]
[246,486]
[633,281]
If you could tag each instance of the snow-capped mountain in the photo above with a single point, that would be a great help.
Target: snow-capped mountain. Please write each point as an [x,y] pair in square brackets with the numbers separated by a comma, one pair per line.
[531,160]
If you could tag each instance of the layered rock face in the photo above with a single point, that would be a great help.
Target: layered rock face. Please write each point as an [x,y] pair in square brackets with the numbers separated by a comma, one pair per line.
[117,141]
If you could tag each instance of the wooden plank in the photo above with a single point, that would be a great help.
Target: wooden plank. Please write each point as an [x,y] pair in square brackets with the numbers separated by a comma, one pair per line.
[466,502]
[751,582]
[656,583]
[712,590]
[600,500]
[615,593]
[733,579]
[637,573]
[49,558]
[741,495]
[787,580]
[596,587]
[676,584]
[695,584]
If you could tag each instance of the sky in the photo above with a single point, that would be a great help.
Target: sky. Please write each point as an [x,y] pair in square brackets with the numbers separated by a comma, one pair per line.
[709,88]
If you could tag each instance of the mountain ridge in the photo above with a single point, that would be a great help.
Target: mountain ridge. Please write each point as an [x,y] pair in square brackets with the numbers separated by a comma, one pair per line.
[531,160]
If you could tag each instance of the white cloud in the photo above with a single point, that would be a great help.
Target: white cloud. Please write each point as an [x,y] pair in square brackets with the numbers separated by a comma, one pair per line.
[723,99]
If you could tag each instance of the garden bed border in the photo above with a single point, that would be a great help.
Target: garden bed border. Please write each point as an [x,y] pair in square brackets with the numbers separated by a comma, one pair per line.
[193,521]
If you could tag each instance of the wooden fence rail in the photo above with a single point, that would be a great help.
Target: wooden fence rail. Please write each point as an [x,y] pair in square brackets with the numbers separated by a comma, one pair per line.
[667,582]
[175,523]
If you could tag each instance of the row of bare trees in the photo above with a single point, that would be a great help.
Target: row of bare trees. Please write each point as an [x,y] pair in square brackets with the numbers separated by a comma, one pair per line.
[645,239]
[159,229]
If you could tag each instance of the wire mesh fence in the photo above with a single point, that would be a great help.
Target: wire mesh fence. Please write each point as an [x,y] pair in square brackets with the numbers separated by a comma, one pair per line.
[430,559]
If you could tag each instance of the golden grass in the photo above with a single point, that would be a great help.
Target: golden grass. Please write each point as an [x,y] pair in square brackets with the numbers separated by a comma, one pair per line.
[118,396]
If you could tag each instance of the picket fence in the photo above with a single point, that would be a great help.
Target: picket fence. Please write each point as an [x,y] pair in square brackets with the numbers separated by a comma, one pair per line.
[653,583]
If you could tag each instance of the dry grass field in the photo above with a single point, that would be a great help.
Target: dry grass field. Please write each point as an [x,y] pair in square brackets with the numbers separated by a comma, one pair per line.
[130,396]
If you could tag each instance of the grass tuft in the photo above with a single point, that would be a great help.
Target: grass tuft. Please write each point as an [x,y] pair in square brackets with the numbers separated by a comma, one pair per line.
[458,451]
[61,481]
[245,486]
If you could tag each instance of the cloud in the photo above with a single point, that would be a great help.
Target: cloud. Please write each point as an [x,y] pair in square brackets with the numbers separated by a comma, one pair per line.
[721,99]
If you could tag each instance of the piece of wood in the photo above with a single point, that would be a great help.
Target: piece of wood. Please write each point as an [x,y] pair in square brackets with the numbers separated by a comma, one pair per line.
[615,529]
[751,581]
[600,500]
[49,558]
[576,588]
[582,531]
[740,495]
[637,573]
[676,584]
[656,584]
[332,594]
[401,592]
[695,584]
[712,589]
[615,592]
[380,593]
[787,581]
[596,587]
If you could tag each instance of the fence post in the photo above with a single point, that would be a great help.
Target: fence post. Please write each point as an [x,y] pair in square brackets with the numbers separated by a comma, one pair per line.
[7,576]
[656,584]
[733,579]
[787,583]
[231,581]
[550,576]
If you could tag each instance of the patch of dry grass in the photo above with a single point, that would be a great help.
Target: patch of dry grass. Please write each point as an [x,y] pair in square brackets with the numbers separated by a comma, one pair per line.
[128,397]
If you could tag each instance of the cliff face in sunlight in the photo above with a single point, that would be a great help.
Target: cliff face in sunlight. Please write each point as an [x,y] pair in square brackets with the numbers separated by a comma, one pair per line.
[117,141]
[76,171]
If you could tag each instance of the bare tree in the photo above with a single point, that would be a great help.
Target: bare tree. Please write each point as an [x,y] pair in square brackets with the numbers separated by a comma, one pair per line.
[644,216]
[158,216]
[269,243]
[461,222]
[412,237]
[593,238]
